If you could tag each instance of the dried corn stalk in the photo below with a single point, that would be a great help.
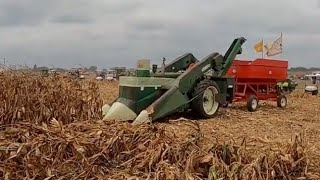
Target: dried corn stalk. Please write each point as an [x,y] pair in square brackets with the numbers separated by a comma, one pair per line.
[32,98]
[85,150]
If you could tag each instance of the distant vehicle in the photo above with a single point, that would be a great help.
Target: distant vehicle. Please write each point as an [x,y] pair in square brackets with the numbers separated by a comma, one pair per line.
[111,75]
[313,87]
[317,73]
[53,72]
[47,73]
[100,75]
[75,74]
[99,78]
[120,71]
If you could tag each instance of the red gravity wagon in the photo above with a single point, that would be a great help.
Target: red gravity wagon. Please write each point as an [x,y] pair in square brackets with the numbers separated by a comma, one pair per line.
[257,80]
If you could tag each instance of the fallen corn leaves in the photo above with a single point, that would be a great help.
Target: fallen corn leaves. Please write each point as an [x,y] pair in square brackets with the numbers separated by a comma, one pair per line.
[86,150]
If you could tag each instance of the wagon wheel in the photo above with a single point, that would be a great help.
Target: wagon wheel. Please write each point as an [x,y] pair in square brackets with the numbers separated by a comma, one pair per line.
[282,101]
[205,104]
[252,103]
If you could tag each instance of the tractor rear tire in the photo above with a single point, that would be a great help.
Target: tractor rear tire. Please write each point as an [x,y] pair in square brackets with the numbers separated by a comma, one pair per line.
[282,101]
[205,103]
[252,103]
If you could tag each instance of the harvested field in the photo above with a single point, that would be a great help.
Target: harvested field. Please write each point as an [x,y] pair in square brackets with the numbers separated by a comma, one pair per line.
[267,144]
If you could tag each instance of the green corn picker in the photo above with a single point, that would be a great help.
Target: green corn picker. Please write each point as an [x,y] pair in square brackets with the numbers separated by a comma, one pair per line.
[184,84]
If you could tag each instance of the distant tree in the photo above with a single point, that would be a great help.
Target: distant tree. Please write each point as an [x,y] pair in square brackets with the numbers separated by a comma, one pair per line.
[303,69]
[93,68]
[314,69]
[35,67]
[298,69]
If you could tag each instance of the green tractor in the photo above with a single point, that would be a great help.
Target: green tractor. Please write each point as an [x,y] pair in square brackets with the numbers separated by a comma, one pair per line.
[184,84]
[287,85]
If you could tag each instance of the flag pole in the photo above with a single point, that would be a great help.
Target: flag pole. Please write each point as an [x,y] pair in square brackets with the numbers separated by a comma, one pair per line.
[281,45]
[262,49]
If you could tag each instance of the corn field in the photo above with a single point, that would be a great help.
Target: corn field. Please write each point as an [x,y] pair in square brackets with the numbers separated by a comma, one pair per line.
[51,128]
[32,98]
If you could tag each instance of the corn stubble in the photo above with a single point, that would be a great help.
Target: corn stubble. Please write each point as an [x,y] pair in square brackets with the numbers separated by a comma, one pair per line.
[48,142]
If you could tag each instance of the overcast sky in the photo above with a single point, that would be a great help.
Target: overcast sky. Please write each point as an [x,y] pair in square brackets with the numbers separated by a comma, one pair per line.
[111,33]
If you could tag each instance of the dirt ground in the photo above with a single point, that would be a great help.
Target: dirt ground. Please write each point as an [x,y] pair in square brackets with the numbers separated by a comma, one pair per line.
[261,130]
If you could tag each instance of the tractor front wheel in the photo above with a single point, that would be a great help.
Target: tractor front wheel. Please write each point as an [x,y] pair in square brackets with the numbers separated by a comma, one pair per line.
[282,101]
[205,104]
